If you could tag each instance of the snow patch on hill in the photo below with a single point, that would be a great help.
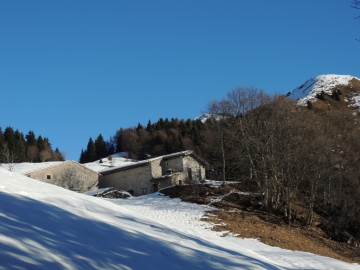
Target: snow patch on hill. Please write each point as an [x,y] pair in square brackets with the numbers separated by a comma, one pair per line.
[312,87]
[205,116]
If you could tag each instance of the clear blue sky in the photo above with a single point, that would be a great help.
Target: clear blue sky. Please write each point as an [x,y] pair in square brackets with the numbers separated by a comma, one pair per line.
[70,70]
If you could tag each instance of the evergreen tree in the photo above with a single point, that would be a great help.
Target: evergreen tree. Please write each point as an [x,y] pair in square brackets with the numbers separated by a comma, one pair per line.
[30,138]
[139,126]
[100,147]
[335,95]
[83,157]
[182,128]
[9,138]
[309,104]
[110,149]
[321,95]
[19,147]
[119,138]
[91,151]
[150,127]
[40,144]
[160,124]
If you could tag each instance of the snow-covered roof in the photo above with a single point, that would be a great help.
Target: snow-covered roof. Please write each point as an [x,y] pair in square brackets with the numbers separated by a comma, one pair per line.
[26,167]
[147,161]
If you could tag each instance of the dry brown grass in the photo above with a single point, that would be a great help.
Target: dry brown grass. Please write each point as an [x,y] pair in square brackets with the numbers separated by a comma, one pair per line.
[272,231]
[329,104]
[232,214]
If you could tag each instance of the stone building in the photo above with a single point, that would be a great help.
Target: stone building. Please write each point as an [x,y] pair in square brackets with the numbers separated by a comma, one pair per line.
[147,176]
[68,174]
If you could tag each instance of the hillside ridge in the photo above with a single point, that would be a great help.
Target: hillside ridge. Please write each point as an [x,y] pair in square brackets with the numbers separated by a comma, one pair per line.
[311,89]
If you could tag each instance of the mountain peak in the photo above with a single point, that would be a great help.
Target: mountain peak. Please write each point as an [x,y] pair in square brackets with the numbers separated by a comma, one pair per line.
[309,90]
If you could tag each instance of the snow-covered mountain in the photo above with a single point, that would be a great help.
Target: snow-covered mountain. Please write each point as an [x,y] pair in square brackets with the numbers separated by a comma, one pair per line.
[311,89]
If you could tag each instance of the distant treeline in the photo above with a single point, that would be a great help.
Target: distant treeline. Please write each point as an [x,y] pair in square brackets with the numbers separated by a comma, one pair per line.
[160,138]
[15,147]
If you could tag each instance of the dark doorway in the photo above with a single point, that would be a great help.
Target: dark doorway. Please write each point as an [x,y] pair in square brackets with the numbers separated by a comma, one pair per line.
[190,174]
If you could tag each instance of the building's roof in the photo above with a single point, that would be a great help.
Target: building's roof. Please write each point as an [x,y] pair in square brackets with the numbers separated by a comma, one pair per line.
[148,161]
[25,167]
[47,165]
[186,153]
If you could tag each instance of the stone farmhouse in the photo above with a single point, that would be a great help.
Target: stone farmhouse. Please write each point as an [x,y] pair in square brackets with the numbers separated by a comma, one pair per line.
[68,174]
[148,176]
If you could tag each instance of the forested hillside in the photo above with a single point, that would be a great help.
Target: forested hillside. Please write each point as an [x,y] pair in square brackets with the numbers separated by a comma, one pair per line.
[15,147]
[160,138]
[291,154]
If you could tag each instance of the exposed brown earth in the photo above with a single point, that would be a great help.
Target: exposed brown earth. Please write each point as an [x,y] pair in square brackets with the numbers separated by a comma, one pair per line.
[240,214]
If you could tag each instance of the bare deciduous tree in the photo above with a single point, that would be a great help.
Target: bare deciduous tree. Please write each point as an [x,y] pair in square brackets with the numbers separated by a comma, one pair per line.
[45,154]
[9,157]
[32,152]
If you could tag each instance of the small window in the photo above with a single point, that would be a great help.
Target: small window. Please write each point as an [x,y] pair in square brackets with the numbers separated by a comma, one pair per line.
[48,176]
[180,182]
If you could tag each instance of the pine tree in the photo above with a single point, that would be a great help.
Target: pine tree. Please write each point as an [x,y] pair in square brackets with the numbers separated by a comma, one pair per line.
[139,126]
[100,147]
[150,127]
[83,157]
[110,149]
[309,104]
[321,95]
[9,138]
[91,151]
[119,138]
[40,144]
[19,147]
[335,95]
[30,138]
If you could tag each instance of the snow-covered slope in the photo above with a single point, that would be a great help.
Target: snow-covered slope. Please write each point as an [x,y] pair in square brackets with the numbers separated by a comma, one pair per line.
[46,227]
[312,87]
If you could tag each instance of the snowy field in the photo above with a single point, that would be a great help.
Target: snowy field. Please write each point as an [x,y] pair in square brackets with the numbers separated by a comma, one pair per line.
[47,227]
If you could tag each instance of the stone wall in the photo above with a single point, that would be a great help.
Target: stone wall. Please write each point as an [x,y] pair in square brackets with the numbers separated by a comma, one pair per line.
[193,169]
[156,168]
[134,180]
[175,164]
[154,175]
[70,175]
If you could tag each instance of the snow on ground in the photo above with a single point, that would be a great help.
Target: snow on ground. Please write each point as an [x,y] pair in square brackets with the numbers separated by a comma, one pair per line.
[46,227]
[314,86]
